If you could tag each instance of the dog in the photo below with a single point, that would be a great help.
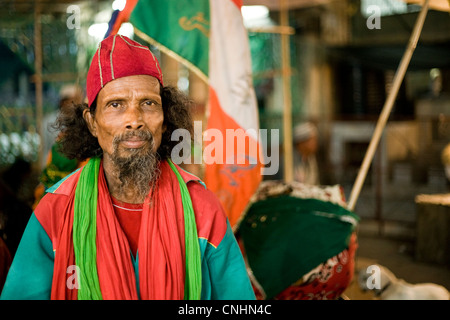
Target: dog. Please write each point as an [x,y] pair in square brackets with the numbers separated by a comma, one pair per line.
[386,286]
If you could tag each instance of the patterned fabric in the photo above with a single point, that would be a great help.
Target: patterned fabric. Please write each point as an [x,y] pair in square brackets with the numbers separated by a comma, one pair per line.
[325,280]
[118,56]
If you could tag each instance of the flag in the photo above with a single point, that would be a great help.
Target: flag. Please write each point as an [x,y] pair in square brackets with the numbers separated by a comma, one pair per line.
[209,37]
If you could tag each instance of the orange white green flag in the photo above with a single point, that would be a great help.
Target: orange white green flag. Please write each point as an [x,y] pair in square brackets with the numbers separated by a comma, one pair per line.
[209,37]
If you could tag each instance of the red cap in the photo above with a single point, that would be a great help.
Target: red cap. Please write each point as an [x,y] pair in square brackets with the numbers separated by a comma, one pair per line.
[118,56]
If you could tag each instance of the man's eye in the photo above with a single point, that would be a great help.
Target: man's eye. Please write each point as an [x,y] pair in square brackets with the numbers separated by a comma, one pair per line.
[150,103]
[114,104]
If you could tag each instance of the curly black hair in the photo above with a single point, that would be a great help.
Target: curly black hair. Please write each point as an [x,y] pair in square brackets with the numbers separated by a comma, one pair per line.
[77,142]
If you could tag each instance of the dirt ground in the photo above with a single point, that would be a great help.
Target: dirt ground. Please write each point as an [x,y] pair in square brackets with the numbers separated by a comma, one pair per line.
[394,249]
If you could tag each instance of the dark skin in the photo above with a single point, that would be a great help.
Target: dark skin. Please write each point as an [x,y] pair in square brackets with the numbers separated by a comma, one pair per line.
[126,104]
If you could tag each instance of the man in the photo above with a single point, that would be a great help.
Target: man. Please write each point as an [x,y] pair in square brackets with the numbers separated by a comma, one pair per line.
[130,224]
[305,163]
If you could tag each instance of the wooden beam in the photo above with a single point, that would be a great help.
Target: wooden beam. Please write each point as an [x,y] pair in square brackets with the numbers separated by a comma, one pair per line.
[287,97]
[38,75]
[56,77]
[273,29]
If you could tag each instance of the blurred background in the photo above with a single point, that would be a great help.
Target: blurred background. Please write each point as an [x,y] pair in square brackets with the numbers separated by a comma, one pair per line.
[342,60]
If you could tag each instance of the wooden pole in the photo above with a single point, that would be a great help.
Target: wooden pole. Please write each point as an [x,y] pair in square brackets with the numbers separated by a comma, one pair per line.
[398,79]
[379,171]
[287,99]
[273,29]
[38,76]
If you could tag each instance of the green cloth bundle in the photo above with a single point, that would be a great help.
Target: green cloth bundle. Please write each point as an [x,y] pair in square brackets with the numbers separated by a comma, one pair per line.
[286,237]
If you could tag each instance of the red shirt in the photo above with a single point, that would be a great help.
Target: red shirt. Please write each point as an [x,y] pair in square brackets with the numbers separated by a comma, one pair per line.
[129,216]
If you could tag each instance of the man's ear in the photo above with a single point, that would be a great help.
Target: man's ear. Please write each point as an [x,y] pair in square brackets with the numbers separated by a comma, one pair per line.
[87,115]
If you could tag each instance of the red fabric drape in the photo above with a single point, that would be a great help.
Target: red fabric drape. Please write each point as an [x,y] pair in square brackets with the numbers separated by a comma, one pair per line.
[161,246]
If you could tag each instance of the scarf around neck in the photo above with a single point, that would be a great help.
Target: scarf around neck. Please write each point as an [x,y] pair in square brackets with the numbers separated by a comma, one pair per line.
[92,243]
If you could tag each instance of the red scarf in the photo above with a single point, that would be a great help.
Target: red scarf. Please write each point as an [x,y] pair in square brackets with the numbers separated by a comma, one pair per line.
[161,248]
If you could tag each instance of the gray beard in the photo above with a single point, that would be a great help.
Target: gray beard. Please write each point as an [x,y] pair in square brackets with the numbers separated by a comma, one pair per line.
[138,171]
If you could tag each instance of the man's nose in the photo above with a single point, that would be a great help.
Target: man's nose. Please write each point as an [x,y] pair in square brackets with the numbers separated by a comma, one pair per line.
[134,119]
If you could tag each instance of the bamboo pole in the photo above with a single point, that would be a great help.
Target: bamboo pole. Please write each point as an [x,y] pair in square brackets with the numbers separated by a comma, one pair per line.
[398,79]
[273,29]
[56,77]
[38,76]
[287,99]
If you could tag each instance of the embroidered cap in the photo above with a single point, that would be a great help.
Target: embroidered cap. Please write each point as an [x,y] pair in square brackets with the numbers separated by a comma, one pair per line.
[118,56]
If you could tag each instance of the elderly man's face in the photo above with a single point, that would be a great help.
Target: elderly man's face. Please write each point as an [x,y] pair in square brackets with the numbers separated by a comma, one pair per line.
[128,110]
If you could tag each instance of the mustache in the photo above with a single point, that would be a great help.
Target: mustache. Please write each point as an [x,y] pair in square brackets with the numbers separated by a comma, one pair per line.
[141,134]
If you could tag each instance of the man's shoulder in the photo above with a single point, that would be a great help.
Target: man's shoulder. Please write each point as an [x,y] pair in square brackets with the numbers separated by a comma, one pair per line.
[189,177]
[210,217]
[199,192]
[50,208]
[66,184]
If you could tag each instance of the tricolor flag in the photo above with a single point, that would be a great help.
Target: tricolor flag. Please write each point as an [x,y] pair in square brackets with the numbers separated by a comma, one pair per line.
[209,37]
